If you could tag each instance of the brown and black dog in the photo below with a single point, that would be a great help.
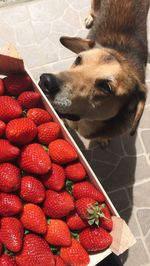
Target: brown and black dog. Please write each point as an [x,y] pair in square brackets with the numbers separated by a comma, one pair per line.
[103,93]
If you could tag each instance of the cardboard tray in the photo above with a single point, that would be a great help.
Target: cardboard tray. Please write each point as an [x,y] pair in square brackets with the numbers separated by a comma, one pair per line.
[11,62]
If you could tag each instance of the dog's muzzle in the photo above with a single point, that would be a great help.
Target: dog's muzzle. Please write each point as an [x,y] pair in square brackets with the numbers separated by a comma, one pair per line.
[49,84]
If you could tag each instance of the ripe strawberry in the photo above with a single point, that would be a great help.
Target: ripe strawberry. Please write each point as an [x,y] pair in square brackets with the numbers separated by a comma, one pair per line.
[48,132]
[39,116]
[75,172]
[75,222]
[83,207]
[9,108]
[59,261]
[75,254]
[35,252]
[2,128]
[10,177]
[21,131]
[8,151]
[32,190]
[95,239]
[1,248]
[9,204]
[34,159]
[29,99]
[1,87]
[106,222]
[58,204]
[11,233]
[6,260]
[58,233]
[55,180]
[62,152]
[86,189]
[33,218]
[16,83]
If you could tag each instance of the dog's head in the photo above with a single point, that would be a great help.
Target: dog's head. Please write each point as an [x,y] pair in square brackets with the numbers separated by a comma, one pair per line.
[98,85]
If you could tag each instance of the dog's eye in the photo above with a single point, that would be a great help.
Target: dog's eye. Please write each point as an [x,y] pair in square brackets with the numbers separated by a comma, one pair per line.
[78,60]
[104,86]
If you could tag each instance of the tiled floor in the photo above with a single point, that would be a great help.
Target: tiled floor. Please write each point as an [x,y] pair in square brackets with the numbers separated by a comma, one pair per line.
[124,168]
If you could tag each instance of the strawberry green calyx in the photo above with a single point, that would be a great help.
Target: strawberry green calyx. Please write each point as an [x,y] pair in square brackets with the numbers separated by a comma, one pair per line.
[95,213]
[75,235]
[55,250]
[69,185]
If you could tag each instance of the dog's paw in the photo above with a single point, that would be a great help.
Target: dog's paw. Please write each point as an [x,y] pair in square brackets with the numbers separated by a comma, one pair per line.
[103,142]
[89,21]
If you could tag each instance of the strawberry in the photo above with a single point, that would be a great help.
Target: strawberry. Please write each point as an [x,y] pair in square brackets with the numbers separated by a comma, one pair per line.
[32,190]
[62,152]
[59,261]
[34,159]
[1,248]
[9,108]
[55,180]
[33,218]
[29,99]
[75,222]
[1,87]
[16,83]
[58,204]
[8,151]
[48,132]
[86,189]
[75,172]
[106,221]
[11,233]
[58,233]
[21,131]
[75,254]
[84,206]
[39,116]
[95,239]
[2,128]
[35,252]
[9,204]
[6,260]
[10,177]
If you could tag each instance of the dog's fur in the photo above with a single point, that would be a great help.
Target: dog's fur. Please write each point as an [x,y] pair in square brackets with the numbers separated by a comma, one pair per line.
[105,88]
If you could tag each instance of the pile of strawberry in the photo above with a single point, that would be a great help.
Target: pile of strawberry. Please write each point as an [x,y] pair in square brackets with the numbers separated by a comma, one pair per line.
[50,213]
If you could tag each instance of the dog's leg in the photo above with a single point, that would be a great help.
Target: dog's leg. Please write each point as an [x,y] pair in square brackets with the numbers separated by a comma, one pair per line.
[95,5]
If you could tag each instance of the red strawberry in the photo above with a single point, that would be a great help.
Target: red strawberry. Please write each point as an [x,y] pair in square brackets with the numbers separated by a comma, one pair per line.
[33,218]
[59,261]
[35,252]
[58,233]
[83,206]
[29,99]
[62,152]
[1,87]
[48,132]
[39,116]
[58,204]
[75,172]
[8,151]
[1,248]
[21,131]
[34,159]
[9,204]
[9,108]
[106,222]
[2,128]
[75,222]
[32,190]
[86,189]
[10,177]
[16,83]
[95,239]
[11,233]
[75,254]
[6,260]
[55,180]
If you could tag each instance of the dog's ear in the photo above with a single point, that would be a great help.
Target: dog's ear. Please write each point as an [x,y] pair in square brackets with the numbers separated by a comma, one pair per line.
[138,104]
[76,44]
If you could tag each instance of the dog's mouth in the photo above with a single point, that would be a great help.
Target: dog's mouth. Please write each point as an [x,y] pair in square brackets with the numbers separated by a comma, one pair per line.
[72,117]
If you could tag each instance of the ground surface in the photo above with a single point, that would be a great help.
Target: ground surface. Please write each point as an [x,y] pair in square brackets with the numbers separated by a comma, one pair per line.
[124,168]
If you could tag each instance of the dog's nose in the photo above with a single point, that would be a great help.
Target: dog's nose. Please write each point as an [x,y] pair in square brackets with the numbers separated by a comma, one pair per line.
[49,84]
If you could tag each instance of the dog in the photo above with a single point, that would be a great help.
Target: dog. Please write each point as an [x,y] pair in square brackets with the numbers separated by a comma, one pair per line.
[103,94]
